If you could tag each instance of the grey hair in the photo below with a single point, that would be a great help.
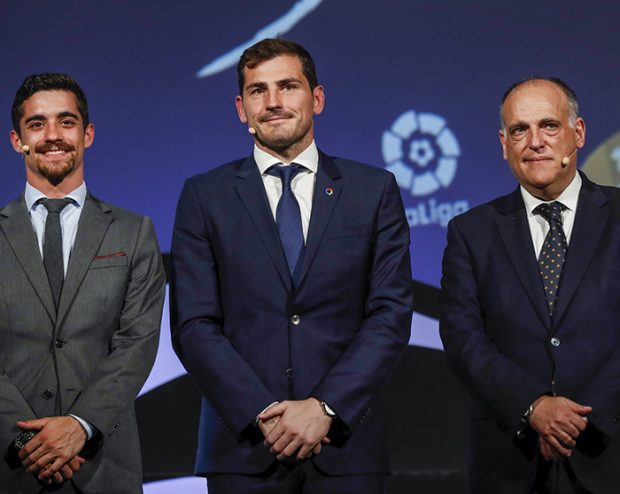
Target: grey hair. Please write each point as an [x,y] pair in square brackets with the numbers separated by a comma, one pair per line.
[573,103]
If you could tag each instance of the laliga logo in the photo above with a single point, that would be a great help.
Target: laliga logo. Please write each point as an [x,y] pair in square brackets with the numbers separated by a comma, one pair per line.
[422,154]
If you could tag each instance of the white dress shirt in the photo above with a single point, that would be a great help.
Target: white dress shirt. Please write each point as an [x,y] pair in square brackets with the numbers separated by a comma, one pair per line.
[302,184]
[539,226]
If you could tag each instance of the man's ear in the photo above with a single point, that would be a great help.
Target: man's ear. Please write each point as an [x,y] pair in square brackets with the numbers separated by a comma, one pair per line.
[240,110]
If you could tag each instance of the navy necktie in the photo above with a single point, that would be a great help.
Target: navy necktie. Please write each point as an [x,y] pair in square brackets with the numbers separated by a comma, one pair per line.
[553,252]
[288,217]
[52,246]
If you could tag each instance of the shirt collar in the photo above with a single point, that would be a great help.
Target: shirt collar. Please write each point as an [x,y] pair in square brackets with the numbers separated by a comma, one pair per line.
[32,195]
[309,158]
[568,197]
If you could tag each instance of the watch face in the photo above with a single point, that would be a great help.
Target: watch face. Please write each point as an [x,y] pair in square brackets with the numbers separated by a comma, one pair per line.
[328,411]
[22,439]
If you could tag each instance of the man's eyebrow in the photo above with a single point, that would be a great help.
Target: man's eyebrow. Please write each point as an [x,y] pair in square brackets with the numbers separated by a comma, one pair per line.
[548,120]
[68,114]
[257,84]
[284,82]
[517,125]
[36,117]
[60,115]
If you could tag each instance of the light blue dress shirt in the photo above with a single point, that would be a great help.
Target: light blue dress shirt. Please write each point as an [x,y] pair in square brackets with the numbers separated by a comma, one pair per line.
[69,219]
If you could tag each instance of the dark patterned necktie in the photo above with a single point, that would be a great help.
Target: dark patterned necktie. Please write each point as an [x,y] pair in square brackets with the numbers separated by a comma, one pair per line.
[52,246]
[553,252]
[288,217]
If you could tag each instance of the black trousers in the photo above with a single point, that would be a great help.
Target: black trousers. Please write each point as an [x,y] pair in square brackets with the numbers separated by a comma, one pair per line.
[556,477]
[296,478]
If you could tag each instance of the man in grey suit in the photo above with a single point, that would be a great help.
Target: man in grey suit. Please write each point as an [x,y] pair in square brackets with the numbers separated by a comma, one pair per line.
[81,294]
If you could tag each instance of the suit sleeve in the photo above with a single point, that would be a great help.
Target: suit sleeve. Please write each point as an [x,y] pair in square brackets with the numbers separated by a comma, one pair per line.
[196,316]
[504,388]
[118,379]
[602,393]
[357,377]
[13,407]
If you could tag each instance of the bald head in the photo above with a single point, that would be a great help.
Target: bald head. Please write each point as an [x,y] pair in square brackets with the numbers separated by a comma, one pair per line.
[559,84]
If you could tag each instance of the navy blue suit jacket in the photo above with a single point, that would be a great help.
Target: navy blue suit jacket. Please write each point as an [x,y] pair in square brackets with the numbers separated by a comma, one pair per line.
[498,336]
[233,300]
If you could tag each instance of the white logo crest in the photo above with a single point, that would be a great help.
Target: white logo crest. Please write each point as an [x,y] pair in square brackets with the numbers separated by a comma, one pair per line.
[421,152]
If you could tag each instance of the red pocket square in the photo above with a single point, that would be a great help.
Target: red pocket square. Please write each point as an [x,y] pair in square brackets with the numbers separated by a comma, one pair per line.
[107,256]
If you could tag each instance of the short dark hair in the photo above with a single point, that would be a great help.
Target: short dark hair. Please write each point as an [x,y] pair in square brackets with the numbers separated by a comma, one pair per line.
[270,48]
[47,82]
[573,103]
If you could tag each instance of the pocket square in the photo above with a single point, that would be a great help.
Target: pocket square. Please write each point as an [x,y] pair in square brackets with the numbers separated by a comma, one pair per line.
[108,256]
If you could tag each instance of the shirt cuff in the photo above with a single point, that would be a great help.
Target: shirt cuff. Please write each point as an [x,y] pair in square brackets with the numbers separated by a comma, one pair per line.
[266,408]
[87,427]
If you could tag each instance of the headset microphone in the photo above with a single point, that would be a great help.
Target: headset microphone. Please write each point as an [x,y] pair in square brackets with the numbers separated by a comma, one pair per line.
[566,159]
[252,130]
[26,149]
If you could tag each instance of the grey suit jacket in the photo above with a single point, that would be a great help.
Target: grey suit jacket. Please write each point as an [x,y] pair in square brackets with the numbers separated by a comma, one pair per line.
[92,357]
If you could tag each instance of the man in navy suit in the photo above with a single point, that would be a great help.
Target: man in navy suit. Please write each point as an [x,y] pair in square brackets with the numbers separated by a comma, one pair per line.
[291,296]
[530,309]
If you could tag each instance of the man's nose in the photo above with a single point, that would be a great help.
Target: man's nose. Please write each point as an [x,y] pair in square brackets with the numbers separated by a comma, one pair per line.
[537,138]
[52,133]
[273,100]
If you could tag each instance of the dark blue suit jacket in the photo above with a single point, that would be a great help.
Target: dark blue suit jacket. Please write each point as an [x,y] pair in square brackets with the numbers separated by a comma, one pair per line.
[233,301]
[497,333]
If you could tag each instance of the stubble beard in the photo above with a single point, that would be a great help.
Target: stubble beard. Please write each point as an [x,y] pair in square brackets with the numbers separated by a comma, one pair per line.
[56,172]
[284,141]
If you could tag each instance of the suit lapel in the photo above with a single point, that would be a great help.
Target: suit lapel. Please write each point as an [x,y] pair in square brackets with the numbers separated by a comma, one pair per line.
[92,227]
[590,220]
[16,224]
[327,190]
[517,239]
[251,190]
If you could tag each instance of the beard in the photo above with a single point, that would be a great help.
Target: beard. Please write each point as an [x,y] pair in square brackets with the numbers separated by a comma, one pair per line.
[283,138]
[55,171]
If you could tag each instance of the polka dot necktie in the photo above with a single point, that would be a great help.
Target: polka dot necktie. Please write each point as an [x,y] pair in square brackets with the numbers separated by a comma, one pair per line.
[553,252]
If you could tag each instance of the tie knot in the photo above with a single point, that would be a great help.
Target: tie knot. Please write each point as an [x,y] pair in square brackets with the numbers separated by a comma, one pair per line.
[286,173]
[551,211]
[54,205]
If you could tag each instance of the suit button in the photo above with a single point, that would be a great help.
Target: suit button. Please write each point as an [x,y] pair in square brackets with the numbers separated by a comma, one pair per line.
[289,372]
[59,343]
[48,394]
[295,320]
[555,341]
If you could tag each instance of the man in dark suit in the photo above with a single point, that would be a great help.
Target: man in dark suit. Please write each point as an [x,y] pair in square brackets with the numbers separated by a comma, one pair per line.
[81,295]
[530,309]
[291,296]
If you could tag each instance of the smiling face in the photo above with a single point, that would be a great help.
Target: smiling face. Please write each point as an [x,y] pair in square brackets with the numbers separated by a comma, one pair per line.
[538,133]
[52,127]
[278,103]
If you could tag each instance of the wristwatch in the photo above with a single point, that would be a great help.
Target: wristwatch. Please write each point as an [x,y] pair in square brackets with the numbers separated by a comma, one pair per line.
[528,413]
[327,410]
[22,439]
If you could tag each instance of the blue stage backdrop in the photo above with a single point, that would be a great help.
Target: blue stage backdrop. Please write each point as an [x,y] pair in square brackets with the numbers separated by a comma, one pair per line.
[411,86]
